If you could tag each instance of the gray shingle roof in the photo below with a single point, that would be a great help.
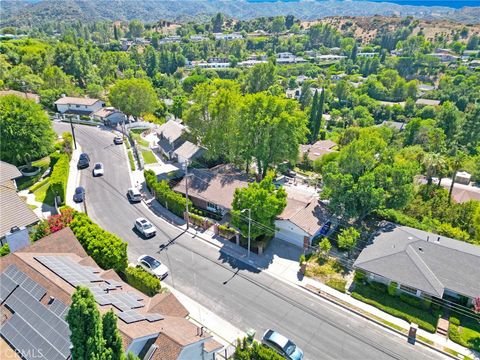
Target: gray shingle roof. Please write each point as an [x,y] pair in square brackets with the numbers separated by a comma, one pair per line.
[171,130]
[8,172]
[423,260]
[14,211]
[188,150]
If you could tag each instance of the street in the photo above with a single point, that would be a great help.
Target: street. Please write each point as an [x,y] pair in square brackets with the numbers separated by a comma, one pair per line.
[238,293]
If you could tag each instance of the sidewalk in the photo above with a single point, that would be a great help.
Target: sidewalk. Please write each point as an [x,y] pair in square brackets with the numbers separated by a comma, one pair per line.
[73,180]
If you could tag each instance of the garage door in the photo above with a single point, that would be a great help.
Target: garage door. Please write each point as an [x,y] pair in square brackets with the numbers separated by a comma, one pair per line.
[290,236]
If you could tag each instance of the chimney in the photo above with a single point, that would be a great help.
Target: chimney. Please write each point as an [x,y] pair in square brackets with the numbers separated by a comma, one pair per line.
[50,301]
[201,331]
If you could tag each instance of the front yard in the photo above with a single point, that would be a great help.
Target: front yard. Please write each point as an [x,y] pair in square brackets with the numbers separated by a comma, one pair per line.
[327,270]
[465,330]
[148,157]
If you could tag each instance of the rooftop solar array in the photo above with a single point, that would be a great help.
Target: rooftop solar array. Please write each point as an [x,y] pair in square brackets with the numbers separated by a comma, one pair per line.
[105,291]
[12,277]
[59,308]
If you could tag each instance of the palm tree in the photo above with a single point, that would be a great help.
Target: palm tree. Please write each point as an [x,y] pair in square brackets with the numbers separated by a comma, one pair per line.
[434,164]
[455,164]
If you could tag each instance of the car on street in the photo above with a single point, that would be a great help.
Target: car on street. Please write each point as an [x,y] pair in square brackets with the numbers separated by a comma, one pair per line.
[98,169]
[282,345]
[83,161]
[153,266]
[325,228]
[117,140]
[79,195]
[134,195]
[145,227]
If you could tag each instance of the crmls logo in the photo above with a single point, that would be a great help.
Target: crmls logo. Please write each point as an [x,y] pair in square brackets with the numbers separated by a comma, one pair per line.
[28,353]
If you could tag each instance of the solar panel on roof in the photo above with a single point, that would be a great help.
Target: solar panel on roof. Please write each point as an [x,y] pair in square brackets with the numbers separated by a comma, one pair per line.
[58,308]
[153,317]
[131,316]
[7,285]
[34,289]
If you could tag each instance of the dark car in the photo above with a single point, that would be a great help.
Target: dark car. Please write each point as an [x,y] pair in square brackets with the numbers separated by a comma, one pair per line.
[326,228]
[79,195]
[83,161]
[117,140]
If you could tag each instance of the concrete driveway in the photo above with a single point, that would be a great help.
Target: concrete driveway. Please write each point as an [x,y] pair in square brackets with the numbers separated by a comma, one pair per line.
[283,258]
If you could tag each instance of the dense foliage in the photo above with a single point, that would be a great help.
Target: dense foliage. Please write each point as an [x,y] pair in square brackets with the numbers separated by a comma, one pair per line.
[254,351]
[59,177]
[142,280]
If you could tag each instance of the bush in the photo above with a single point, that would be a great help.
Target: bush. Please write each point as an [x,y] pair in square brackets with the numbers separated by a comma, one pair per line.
[359,276]
[454,321]
[4,250]
[53,224]
[173,201]
[255,352]
[106,249]
[226,232]
[59,176]
[196,220]
[337,284]
[38,185]
[411,300]
[377,286]
[302,259]
[142,280]
[67,145]
[131,160]
[402,219]
[392,288]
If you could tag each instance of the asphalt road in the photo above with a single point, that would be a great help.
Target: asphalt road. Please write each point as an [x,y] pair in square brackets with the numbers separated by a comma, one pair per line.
[238,293]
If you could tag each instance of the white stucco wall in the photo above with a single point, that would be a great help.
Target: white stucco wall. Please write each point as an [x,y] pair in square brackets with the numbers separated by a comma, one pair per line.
[87,108]
[289,232]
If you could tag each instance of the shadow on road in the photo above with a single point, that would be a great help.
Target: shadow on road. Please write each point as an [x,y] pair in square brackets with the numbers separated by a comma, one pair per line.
[236,263]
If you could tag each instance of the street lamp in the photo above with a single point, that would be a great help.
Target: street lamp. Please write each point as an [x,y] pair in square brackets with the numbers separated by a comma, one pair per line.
[249,226]
[185,166]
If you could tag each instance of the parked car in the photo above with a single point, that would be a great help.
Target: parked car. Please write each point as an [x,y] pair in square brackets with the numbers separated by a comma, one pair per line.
[282,345]
[83,161]
[117,140]
[98,169]
[145,227]
[79,195]
[326,228]
[134,195]
[153,266]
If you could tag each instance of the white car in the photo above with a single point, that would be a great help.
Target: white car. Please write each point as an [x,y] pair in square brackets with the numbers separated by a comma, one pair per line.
[145,227]
[98,169]
[153,266]
[134,195]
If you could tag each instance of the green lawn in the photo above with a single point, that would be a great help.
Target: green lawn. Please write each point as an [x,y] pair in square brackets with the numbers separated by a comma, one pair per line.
[131,160]
[468,333]
[425,318]
[140,141]
[44,195]
[148,157]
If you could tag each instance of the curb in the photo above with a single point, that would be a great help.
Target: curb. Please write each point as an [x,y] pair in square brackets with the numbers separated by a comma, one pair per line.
[371,319]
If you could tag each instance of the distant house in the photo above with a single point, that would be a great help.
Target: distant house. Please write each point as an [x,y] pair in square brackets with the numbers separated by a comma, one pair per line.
[170,137]
[330,57]
[198,38]
[302,218]
[109,116]
[213,189]
[26,95]
[231,36]
[367,54]
[250,63]
[445,56]
[39,281]
[78,105]
[289,58]
[338,77]
[422,263]
[317,150]
[396,125]
[427,102]
[15,213]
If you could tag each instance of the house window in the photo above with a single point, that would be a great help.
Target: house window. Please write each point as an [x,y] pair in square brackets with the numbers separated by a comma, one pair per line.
[212,207]
[77,106]
[408,289]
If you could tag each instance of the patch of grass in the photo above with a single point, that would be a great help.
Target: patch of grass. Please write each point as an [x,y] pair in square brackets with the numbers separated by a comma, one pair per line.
[337,284]
[131,160]
[329,271]
[148,157]
[39,184]
[467,333]
[140,141]
[394,306]
[44,195]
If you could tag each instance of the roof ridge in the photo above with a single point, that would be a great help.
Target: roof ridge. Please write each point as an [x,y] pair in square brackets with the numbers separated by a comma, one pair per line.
[422,266]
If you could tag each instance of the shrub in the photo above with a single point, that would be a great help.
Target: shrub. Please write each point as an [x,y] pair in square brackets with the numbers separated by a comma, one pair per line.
[53,224]
[4,250]
[302,259]
[107,249]
[454,321]
[226,232]
[377,286]
[411,300]
[337,284]
[38,185]
[67,144]
[196,220]
[131,160]
[392,288]
[59,177]
[142,280]
[359,276]
[426,303]
[402,219]
[256,351]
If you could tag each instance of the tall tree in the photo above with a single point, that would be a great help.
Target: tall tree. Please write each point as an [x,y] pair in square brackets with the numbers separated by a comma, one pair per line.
[455,164]
[112,337]
[85,325]
[115,33]
[135,28]
[313,117]
[26,132]
[318,118]
[217,22]
[433,164]
[260,77]
[265,203]
[449,120]
[133,96]
[353,55]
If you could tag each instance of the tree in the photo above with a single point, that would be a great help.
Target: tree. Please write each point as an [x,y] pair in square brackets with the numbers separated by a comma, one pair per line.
[260,77]
[449,120]
[25,131]
[455,164]
[278,24]
[135,28]
[313,116]
[115,33]
[133,96]
[433,164]
[217,22]
[85,325]
[271,129]
[318,116]
[112,337]
[265,202]
[347,239]
[354,52]
[324,246]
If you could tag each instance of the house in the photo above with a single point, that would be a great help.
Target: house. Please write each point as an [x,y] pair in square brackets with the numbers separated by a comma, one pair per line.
[250,63]
[422,263]
[289,58]
[109,116]
[444,56]
[317,150]
[170,137]
[213,189]
[367,54]
[78,105]
[232,36]
[15,214]
[26,95]
[293,93]
[39,280]
[330,57]
[461,192]
[474,64]
[427,102]
[303,217]
[209,65]
[198,38]
[187,152]
[396,125]
[338,77]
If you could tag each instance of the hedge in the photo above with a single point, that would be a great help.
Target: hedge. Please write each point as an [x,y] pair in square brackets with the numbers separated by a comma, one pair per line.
[226,232]
[402,219]
[107,249]
[394,306]
[173,201]
[59,176]
[255,351]
[142,280]
[131,160]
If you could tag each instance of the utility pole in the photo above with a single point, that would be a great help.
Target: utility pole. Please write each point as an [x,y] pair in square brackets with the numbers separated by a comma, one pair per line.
[249,228]
[186,192]
[73,133]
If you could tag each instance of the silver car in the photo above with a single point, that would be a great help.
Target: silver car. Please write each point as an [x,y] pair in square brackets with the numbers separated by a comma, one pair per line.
[145,227]
[282,345]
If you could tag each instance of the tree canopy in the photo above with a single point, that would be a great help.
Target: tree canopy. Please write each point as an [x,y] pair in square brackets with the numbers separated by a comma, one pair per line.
[133,96]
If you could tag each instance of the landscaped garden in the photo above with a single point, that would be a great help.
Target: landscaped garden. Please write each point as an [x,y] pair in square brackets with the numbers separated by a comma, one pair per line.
[136,135]
[465,330]
[148,157]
